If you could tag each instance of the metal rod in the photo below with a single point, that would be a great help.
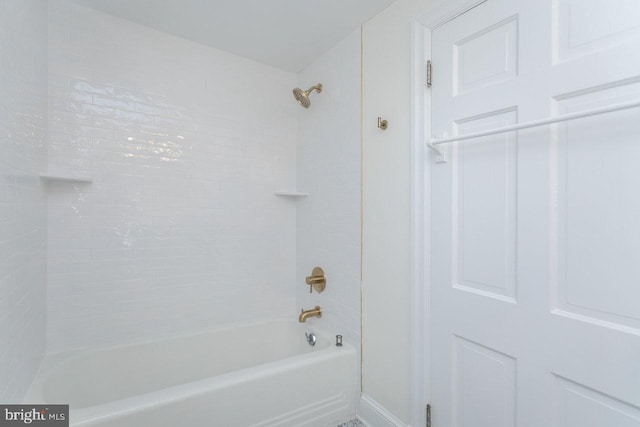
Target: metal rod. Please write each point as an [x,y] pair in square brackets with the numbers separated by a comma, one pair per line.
[535,123]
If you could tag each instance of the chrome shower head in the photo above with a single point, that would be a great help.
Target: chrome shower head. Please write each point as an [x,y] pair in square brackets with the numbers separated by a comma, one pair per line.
[303,96]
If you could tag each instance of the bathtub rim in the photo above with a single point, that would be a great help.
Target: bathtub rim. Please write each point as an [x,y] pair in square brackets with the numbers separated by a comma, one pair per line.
[155,398]
[158,398]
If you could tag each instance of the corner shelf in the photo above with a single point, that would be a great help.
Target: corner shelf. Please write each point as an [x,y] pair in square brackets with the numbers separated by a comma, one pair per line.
[64,178]
[292,194]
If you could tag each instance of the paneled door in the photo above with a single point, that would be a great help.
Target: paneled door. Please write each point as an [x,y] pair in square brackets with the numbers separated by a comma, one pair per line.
[535,235]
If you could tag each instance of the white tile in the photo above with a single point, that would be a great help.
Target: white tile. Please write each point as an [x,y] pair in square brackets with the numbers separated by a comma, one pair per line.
[328,159]
[180,226]
[23,112]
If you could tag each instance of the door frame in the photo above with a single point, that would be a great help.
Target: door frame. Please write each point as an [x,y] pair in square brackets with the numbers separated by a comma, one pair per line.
[422,27]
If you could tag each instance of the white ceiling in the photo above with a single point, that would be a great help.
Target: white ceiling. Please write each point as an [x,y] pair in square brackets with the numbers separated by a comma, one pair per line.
[287,34]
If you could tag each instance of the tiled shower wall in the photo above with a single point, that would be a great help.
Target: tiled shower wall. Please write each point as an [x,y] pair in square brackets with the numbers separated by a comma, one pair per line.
[23,115]
[185,144]
[329,170]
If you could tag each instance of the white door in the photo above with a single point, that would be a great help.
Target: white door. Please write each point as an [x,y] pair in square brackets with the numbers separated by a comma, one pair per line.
[535,235]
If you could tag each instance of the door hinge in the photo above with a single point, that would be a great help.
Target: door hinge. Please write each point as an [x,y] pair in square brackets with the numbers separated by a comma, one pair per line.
[428,415]
[429,74]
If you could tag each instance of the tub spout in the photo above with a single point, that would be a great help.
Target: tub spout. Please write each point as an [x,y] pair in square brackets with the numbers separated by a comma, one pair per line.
[305,314]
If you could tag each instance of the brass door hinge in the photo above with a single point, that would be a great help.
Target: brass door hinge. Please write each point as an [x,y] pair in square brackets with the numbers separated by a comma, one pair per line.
[428,415]
[429,73]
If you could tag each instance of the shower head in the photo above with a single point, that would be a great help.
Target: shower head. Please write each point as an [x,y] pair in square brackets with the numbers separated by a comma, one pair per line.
[303,96]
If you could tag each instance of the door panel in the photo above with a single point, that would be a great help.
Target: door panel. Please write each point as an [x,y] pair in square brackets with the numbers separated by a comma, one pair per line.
[485,221]
[478,64]
[583,27]
[579,406]
[481,371]
[598,208]
[535,234]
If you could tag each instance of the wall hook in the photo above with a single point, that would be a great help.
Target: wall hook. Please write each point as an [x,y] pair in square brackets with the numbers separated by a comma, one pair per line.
[382,124]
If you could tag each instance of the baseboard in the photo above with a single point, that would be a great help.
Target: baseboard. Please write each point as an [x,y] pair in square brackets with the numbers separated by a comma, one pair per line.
[372,414]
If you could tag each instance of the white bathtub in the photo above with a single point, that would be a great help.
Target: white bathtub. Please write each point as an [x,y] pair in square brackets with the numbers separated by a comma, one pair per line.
[256,375]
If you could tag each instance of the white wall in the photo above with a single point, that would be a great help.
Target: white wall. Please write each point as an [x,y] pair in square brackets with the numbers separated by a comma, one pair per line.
[387,213]
[152,246]
[180,229]
[328,222]
[23,112]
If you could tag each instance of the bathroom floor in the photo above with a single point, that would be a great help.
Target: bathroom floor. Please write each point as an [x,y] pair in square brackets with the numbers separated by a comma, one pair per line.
[352,423]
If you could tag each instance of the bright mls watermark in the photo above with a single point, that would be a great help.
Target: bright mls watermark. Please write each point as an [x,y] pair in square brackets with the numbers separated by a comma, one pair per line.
[36,415]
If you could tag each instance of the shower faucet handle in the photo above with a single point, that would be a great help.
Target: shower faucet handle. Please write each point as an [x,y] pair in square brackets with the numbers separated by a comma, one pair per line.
[317,280]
